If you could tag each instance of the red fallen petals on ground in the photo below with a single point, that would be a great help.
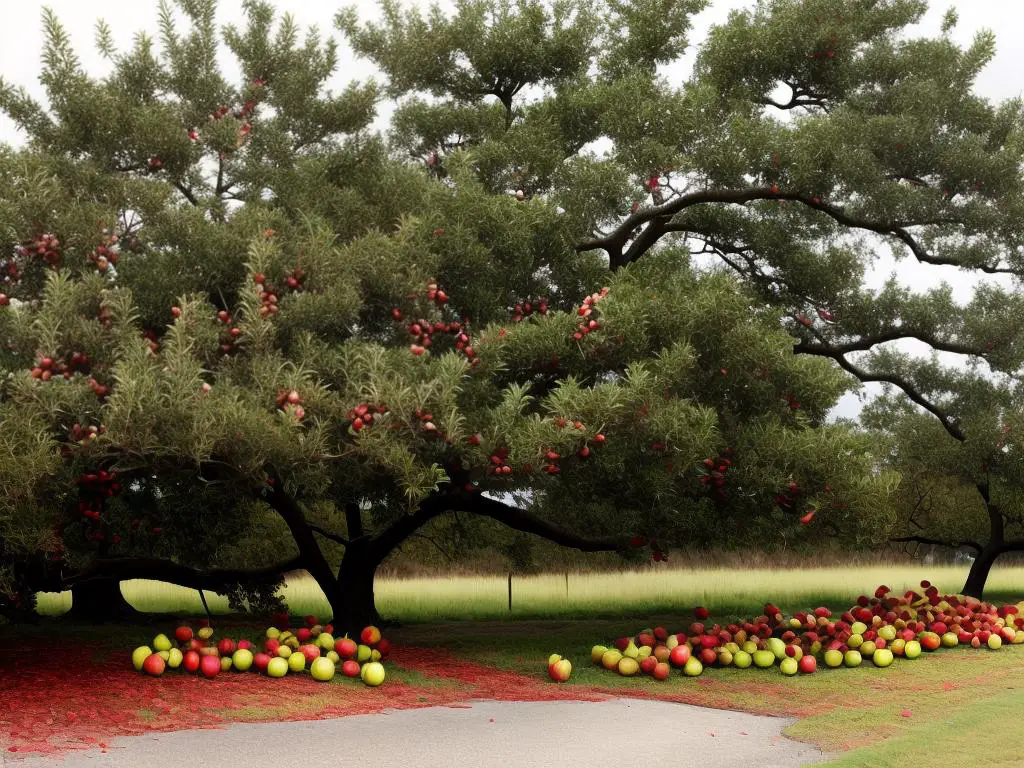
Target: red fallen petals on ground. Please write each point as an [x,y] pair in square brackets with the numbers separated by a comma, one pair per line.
[89,697]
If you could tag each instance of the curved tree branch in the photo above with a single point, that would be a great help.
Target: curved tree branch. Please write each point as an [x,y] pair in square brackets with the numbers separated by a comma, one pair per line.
[938,542]
[122,568]
[894,334]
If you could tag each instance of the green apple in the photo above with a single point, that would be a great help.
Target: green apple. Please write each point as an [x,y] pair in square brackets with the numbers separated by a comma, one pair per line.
[912,649]
[741,659]
[672,642]
[297,662]
[693,667]
[161,643]
[372,673]
[273,633]
[789,666]
[898,646]
[776,646]
[165,655]
[363,653]
[284,651]
[139,656]
[334,657]
[278,667]
[597,652]
[867,649]
[763,659]
[882,657]
[644,652]
[995,642]
[325,641]
[225,664]
[858,628]
[833,658]
[322,669]
[856,640]
[174,658]
[631,650]
[852,659]
[888,633]
[950,640]
[750,647]
[242,659]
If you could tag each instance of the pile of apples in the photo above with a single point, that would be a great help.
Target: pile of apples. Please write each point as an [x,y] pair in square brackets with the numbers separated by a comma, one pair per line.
[878,629]
[284,652]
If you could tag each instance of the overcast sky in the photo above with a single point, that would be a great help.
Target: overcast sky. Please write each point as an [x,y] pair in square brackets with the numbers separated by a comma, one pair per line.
[21,40]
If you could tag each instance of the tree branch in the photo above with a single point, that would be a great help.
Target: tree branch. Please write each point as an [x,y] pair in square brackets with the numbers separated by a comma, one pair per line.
[937,542]
[522,520]
[189,195]
[167,570]
[328,534]
[867,342]
[887,378]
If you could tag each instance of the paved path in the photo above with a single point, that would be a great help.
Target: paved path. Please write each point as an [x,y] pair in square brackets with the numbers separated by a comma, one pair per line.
[552,734]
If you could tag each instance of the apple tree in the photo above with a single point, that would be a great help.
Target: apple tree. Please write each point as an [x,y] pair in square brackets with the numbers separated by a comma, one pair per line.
[231,313]
[809,139]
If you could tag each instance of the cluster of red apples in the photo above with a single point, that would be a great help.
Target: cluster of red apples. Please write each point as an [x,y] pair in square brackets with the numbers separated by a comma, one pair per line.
[311,648]
[589,322]
[878,629]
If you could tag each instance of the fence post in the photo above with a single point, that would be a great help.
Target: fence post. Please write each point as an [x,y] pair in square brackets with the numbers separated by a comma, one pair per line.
[510,591]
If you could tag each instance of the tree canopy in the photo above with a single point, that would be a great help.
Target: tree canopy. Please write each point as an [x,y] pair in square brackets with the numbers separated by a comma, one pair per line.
[555,261]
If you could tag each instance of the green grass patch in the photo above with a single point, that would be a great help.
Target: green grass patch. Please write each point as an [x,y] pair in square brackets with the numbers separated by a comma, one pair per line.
[636,593]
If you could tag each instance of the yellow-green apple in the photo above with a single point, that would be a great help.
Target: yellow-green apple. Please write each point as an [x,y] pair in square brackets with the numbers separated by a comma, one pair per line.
[949,640]
[611,658]
[225,663]
[174,658]
[205,633]
[693,667]
[628,666]
[284,651]
[912,649]
[322,669]
[373,673]
[277,667]
[789,666]
[161,643]
[242,659]
[833,658]
[764,659]
[995,641]
[139,656]
[741,659]
[296,662]
[334,657]
[852,658]
[882,657]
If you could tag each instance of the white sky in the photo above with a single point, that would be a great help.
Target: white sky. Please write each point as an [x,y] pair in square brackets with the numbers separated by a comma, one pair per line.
[21,41]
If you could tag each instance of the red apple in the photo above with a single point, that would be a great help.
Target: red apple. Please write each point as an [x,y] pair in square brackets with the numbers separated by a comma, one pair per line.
[260,661]
[679,655]
[369,636]
[303,634]
[648,664]
[226,646]
[191,661]
[350,668]
[660,634]
[661,671]
[311,620]
[244,645]
[622,643]
[183,634]
[708,656]
[272,645]
[210,666]
[346,647]
[310,651]
[154,665]
[701,612]
[384,646]
[560,671]
[807,664]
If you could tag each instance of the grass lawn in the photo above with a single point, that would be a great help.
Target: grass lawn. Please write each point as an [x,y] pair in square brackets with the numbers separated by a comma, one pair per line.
[638,593]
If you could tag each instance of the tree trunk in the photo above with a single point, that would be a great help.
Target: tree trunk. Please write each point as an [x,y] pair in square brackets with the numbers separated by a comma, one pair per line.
[351,596]
[98,601]
[980,568]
